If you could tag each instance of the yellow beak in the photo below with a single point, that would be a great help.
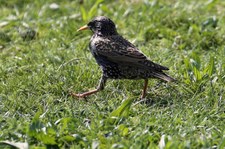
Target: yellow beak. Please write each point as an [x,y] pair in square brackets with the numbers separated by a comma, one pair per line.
[83,28]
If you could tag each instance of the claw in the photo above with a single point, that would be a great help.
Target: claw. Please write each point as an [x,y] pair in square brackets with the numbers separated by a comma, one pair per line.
[78,95]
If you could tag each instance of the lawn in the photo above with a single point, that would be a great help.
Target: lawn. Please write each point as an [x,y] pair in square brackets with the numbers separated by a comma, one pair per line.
[43,59]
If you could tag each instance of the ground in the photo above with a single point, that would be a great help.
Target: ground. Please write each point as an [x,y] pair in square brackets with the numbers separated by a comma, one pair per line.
[43,59]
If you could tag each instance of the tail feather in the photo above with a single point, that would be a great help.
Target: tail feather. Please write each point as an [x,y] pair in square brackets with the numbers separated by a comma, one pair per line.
[163,76]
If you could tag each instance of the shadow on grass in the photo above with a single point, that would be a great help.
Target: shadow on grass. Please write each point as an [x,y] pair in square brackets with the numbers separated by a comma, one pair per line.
[163,95]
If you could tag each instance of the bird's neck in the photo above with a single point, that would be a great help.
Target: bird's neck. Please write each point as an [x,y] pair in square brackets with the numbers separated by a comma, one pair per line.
[104,33]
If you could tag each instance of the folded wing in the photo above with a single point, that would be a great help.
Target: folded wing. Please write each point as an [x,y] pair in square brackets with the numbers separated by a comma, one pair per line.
[121,51]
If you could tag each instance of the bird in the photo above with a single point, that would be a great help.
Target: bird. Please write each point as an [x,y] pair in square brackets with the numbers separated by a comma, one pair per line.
[118,58]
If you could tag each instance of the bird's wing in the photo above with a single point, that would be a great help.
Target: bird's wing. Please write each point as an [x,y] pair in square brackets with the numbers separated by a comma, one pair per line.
[119,50]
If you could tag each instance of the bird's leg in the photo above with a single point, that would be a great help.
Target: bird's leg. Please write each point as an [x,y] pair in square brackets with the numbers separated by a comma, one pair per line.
[145,89]
[99,88]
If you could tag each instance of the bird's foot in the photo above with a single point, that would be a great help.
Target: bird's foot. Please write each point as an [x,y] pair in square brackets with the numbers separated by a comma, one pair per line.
[83,95]
[78,95]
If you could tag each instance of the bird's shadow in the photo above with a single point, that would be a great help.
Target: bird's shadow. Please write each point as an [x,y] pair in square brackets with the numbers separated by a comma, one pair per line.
[160,101]
[162,97]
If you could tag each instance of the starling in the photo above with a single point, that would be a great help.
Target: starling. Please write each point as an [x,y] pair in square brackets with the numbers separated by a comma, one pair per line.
[118,58]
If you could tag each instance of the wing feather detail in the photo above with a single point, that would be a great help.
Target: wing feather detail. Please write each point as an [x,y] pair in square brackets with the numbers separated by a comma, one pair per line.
[118,50]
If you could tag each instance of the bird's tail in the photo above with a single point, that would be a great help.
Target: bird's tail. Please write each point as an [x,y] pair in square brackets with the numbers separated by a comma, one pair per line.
[163,76]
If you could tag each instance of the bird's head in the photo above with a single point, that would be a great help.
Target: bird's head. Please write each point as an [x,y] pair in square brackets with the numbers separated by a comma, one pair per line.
[101,25]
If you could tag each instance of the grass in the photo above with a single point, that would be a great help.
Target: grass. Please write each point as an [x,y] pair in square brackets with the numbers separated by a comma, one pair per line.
[43,58]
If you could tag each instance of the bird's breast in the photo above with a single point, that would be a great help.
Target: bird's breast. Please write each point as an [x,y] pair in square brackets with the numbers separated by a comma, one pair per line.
[95,42]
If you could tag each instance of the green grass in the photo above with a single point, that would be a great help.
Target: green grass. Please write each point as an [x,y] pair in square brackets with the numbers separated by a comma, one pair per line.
[37,73]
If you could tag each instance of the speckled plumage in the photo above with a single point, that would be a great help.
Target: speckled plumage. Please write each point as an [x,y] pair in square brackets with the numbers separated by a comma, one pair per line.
[118,58]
